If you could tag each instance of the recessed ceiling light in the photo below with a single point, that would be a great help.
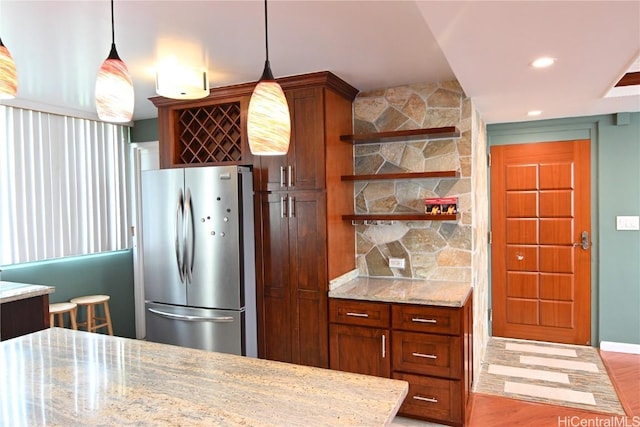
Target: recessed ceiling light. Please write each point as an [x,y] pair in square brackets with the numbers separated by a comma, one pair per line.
[534,113]
[543,62]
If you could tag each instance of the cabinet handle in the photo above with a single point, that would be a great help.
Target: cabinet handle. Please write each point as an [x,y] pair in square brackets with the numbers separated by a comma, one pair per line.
[419,320]
[426,356]
[384,346]
[281,176]
[283,208]
[289,176]
[426,399]
[292,209]
[357,314]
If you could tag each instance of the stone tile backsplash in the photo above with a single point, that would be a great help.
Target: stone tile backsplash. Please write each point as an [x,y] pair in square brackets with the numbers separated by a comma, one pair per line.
[436,250]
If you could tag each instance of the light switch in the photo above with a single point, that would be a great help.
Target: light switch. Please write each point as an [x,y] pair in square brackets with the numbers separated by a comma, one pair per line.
[628,222]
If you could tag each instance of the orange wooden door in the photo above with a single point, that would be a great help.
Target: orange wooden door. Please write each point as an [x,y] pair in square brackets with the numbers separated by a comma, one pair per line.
[540,214]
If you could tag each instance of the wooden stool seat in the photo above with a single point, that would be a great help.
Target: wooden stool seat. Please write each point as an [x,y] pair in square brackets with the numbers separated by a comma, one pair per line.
[59,309]
[92,322]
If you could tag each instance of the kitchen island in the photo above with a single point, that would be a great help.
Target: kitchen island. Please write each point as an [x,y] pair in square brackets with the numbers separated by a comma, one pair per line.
[24,308]
[65,377]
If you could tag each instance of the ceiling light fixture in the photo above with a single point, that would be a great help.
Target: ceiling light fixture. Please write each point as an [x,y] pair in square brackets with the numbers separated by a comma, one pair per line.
[534,113]
[181,82]
[543,62]
[8,75]
[268,120]
[114,88]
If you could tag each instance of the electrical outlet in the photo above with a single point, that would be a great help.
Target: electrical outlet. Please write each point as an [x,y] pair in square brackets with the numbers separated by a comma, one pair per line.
[396,262]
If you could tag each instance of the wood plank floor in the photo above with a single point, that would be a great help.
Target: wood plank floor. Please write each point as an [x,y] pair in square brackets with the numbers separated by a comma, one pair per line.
[624,370]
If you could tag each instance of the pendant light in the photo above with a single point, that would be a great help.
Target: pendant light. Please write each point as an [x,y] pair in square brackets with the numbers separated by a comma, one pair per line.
[268,121]
[114,88]
[8,75]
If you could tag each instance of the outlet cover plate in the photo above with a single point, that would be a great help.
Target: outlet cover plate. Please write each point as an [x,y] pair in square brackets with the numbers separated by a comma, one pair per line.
[396,262]
[628,223]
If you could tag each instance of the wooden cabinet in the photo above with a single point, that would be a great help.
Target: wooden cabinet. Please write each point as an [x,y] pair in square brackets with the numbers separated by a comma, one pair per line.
[293,277]
[359,337]
[430,347]
[24,316]
[301,241]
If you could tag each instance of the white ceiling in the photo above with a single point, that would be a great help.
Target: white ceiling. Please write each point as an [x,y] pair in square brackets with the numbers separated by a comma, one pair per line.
[59,46]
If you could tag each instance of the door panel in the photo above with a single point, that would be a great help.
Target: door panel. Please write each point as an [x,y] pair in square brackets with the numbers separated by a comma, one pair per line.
[540,206]
[274,261]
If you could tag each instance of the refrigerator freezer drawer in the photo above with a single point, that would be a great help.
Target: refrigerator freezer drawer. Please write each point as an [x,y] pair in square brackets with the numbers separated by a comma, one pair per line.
[205,329]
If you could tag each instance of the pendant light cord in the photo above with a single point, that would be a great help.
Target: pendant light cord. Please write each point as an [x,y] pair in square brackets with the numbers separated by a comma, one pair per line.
[266,32]
[113,31]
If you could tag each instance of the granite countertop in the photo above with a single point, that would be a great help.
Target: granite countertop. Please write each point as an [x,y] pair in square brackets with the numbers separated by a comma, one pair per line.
[426,292]
[65,377]
[12,291]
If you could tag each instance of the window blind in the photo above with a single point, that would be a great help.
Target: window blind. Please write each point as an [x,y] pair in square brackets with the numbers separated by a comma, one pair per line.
[63,186]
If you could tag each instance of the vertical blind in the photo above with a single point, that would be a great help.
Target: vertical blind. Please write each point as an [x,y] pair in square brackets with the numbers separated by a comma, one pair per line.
[63,186]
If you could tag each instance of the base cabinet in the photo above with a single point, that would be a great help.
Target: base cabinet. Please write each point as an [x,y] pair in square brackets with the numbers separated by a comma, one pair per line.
[429,347]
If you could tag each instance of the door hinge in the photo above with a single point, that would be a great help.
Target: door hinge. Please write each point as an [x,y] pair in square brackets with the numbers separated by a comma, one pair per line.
[490,237]
[489,160]
[490,315]
[133,231]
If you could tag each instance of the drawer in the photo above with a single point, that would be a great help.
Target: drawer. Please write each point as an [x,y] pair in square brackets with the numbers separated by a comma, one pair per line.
[432,398]
[421,318]
[361,313]
[426,354]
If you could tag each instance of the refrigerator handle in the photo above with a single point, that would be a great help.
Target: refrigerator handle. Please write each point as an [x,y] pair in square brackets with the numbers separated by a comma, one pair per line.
[191,318]
[189,238]
[179,260]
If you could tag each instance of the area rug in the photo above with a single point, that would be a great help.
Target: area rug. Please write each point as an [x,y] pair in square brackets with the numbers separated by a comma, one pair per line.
[557,374]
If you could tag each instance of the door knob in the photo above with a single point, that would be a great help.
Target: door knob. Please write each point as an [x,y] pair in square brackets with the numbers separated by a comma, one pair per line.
[584,241]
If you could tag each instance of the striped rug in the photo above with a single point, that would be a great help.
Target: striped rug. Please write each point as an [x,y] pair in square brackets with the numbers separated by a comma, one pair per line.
[558,374]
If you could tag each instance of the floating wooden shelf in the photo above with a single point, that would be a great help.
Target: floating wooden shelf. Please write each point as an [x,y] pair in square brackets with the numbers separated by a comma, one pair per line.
[402,135]
[401,217]
[402,175]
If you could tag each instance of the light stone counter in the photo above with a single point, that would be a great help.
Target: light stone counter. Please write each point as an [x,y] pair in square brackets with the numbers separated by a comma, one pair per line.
[12,291]
[72,378]
[426,292]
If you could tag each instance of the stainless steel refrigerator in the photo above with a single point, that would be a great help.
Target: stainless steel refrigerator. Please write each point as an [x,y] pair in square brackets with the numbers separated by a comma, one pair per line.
[199,261]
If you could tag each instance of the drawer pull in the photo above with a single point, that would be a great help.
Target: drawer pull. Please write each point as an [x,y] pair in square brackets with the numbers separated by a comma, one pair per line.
[420,320]
[426,356]
[426,399]
[357,314]
[384,346]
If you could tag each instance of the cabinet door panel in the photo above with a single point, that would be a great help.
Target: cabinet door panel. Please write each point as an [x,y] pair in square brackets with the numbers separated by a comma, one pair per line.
[275,325]
[308,268]
[360,350]
[307,130]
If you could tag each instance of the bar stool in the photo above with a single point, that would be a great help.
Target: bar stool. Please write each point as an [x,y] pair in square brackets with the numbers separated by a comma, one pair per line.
[92,320]
[59,309]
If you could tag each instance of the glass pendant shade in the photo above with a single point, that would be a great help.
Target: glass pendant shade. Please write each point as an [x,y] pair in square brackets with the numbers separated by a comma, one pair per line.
[268,121]
[114,90]
[8,75]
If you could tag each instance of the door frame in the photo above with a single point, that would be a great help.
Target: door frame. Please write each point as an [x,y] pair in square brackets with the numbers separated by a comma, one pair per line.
[151,150]
[550,131]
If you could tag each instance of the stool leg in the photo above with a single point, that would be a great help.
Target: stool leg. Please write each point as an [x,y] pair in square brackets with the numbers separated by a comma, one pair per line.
[107,316]
[72,319]
[52,322]
[61,320]
[90,318]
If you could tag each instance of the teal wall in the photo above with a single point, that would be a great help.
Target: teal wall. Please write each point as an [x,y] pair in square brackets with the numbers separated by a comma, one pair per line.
[144,130]
[109,273]
[615,173]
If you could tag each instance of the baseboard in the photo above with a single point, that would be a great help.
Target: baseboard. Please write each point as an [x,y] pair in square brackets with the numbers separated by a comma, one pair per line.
[620,347]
